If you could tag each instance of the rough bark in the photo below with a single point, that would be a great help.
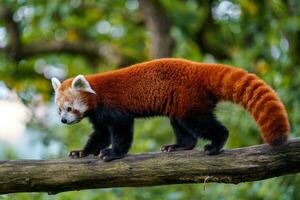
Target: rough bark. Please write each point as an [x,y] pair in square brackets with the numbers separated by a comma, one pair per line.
[159,25]
[231,166]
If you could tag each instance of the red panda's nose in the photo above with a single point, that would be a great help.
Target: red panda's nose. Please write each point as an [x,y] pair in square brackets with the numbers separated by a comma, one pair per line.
[63,120]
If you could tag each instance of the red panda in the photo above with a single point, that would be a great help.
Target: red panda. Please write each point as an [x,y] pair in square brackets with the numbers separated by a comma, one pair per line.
[185,91]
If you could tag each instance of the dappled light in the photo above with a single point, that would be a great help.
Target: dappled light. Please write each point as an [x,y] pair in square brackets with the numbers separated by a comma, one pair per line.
[40,40]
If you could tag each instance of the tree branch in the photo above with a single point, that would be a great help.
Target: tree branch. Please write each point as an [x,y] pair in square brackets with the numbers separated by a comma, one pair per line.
[159,25]
[88,48]
[231,166]
[16,50]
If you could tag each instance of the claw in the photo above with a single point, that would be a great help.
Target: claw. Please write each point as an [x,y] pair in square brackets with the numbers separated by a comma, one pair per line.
[167,148]
[104,152]
[175,147]
[77,154]
[108,155]
[210,149]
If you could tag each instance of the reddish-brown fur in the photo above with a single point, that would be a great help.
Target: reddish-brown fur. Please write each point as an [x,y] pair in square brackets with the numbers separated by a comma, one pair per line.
[177,87]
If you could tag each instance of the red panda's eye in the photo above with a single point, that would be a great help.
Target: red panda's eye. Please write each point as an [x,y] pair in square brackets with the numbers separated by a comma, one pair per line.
[59,110]
[69,109]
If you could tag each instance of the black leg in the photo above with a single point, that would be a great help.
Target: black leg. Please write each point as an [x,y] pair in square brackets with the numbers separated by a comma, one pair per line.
[122,137]
[218,134]
[184,139]
[208,127]
[98,140]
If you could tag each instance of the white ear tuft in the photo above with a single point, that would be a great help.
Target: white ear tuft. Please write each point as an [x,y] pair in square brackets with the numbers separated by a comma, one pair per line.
[55,83]
[80,83]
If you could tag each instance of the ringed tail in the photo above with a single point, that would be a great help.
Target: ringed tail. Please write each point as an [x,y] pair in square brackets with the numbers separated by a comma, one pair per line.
[246,89]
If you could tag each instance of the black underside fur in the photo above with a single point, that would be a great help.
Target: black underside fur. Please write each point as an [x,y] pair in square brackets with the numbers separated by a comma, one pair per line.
[115,128]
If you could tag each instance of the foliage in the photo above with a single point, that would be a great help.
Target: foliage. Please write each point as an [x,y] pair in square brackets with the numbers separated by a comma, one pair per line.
[260,36]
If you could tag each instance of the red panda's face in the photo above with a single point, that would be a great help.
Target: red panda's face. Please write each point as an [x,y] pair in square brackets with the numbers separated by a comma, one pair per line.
[72,98]
[71,106]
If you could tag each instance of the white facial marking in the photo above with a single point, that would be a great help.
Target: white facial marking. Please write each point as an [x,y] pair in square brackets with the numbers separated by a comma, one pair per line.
[80,106]
[71,105]
[70,118]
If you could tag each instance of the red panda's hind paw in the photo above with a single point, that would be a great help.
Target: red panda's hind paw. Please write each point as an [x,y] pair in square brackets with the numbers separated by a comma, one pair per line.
[175,147]
[210,149]
[108,155]
[77,154]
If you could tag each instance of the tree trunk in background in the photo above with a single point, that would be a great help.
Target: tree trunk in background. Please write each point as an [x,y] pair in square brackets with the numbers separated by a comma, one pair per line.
[203,36]
[14,40]
[162,44]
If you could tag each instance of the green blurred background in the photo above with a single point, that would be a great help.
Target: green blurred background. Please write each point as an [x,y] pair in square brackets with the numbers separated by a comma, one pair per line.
[40,39]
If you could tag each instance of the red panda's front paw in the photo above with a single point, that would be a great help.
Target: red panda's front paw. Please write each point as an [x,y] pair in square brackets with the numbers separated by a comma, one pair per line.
[108,155]
[210,149]
[77,154]
[169,147]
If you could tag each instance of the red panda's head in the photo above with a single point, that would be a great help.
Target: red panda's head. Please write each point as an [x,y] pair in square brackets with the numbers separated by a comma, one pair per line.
[74,97]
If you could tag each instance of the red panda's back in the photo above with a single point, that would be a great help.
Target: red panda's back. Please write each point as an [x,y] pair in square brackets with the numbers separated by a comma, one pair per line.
[164,86]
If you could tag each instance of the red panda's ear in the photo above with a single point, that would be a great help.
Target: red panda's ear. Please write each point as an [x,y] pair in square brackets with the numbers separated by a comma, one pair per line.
[80,83]
[55,83]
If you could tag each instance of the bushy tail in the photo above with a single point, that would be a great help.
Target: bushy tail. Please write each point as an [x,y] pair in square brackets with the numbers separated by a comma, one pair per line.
[257,97]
